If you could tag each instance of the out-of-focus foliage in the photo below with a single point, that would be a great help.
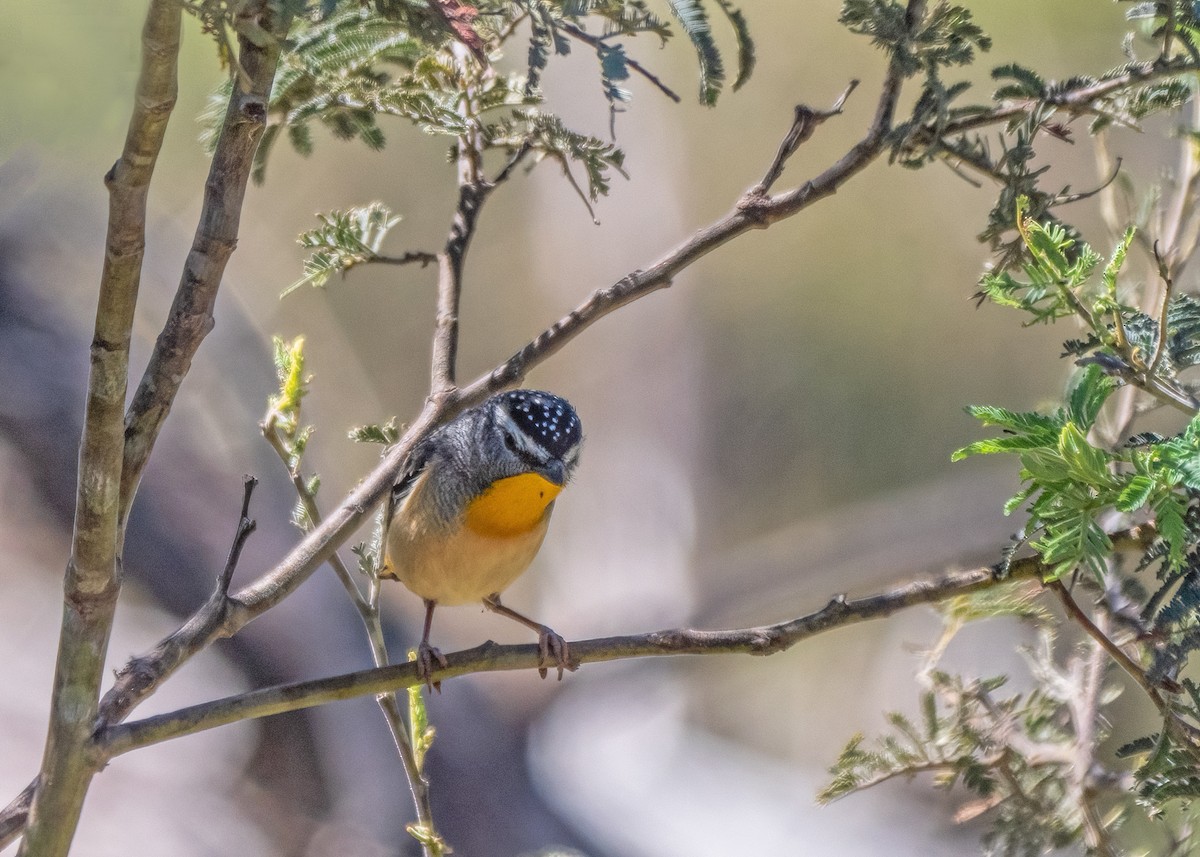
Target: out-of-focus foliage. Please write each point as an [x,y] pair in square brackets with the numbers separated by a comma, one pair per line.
[347,65]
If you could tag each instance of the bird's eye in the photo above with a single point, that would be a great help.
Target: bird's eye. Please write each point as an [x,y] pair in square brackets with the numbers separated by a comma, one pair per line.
[510,441]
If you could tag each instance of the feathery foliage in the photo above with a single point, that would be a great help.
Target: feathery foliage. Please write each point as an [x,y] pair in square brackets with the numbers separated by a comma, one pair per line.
[1014,755]
[344,239]
[1070,482]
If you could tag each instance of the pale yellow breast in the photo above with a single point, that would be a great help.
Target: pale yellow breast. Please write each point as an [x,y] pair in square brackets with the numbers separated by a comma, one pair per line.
[496,540]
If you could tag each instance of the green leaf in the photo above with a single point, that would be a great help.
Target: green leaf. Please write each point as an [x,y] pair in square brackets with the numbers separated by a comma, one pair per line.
[1089,390]
[1135,494]
[1021,422]
[1009,443]
[1113,268]
[1028,83]
[1086,463]
[1169,512]
[293,383]
[745,44]
[385,434]
[1013,503]
[344,239]
[694,21]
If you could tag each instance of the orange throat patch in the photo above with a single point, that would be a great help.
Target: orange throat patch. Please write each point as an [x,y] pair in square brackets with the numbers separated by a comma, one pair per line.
[511,506]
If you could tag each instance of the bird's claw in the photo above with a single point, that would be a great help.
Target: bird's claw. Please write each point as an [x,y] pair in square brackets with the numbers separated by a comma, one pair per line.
[426,655]
[553,651]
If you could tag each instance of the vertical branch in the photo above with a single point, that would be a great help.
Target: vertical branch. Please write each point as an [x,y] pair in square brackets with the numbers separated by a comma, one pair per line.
[367,607]
[1089,673]
[93,578]
[472,191]
[191,315]
[445,335]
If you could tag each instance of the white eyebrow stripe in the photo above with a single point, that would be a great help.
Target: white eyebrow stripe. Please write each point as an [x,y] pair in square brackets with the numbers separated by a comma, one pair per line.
[528,444]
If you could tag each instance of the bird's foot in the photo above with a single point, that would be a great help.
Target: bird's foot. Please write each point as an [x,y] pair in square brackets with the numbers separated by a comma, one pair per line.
[553,651]
[426,656]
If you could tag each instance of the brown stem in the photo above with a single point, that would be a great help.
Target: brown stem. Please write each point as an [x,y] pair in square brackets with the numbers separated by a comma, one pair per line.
[489,657]
[93,575]
[191,315]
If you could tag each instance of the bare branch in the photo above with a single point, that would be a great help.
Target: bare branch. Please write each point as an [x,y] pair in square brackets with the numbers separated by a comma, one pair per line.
[191,314]
[93,580]
[490,657]
[244,528]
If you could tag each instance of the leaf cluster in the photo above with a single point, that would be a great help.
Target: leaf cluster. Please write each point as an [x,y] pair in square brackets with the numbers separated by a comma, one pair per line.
[343,240]
[345,65]
[944,127]
[1070,482]
[1012,754]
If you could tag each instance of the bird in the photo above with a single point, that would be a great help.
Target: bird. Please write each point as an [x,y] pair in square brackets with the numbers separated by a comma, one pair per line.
[472,506]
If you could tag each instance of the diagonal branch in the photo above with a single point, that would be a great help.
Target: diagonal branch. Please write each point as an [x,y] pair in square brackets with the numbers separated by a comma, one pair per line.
[93,579]
[1187,734]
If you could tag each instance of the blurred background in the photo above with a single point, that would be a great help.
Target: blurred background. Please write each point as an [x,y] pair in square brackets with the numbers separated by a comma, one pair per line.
[773,429]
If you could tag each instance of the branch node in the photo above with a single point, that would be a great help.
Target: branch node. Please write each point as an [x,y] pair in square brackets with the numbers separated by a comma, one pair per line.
[254,109]
[803,126]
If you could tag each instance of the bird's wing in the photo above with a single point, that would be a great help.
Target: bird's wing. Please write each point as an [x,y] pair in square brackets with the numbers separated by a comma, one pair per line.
[413,468]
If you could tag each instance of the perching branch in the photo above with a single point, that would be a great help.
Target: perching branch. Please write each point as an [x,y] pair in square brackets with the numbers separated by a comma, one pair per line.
[490,657]
[764,640]
[93,575]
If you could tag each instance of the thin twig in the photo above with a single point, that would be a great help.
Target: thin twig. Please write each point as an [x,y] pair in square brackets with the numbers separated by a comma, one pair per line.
[244,528]
[596,42]
[804,125]
[275,440]
[1160,343]
[412,257]
[519,155]
[367,607]
[1084,707]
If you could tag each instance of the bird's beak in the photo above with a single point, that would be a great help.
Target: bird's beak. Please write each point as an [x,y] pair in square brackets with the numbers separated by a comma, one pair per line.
[555,471]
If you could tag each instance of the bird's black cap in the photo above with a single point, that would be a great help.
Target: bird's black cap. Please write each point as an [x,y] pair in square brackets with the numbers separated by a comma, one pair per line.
[545,417]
